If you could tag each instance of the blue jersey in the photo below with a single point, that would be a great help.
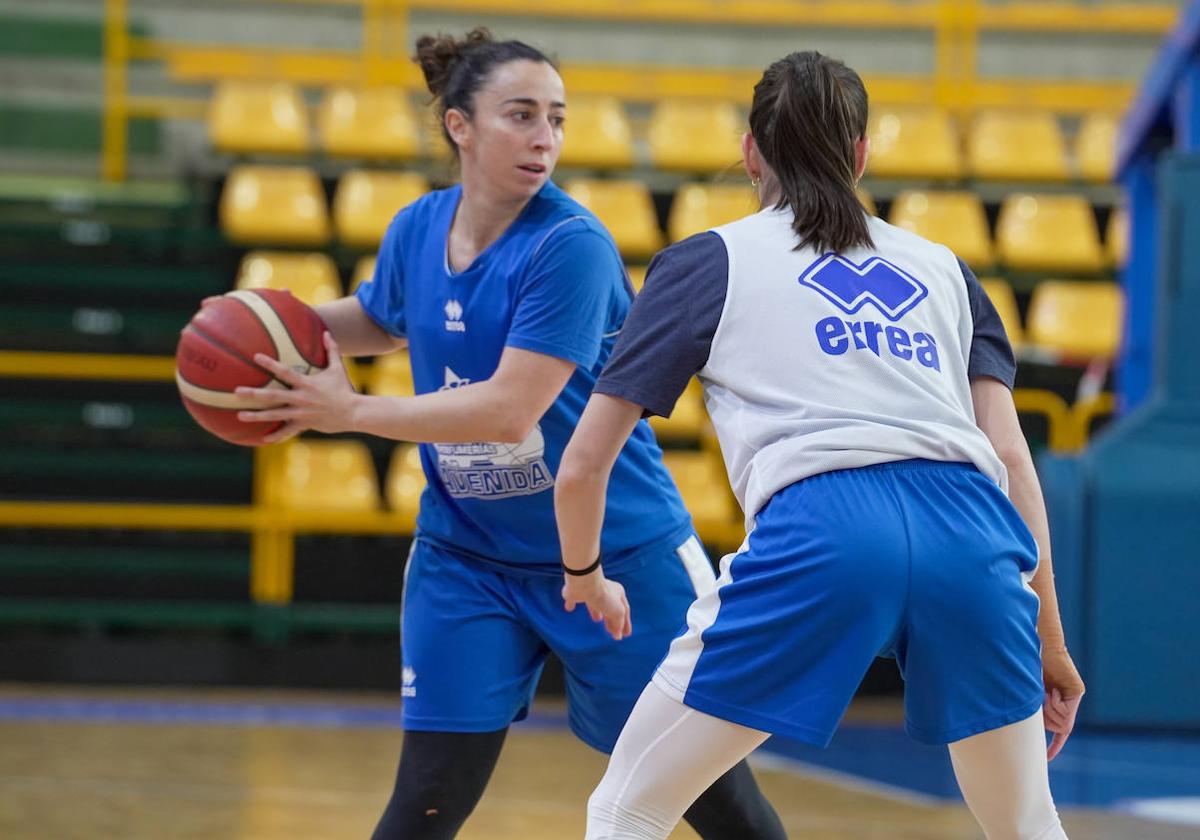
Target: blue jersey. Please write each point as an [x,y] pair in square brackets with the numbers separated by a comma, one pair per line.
[553,283]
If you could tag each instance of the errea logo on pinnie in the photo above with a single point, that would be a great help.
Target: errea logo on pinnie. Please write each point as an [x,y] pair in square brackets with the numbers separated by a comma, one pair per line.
[454,314]
[889,289]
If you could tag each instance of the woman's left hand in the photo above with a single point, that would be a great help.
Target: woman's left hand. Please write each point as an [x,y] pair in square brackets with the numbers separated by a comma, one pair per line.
[605,601]
[1064,691]
[321,401]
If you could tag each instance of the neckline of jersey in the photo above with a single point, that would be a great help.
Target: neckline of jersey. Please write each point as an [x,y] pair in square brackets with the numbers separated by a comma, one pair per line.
[481,259]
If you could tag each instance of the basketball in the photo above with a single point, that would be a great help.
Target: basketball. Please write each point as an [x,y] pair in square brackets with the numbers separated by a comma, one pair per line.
[216,351]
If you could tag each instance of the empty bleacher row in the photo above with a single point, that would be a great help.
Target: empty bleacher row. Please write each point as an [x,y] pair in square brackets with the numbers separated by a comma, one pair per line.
[380,124]
[1034,232]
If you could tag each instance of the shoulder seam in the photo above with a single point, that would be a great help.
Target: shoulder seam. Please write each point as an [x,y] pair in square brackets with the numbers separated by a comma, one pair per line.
[562,223]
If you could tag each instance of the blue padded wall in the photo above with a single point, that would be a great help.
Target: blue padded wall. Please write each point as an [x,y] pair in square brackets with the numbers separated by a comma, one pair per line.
[1125,515]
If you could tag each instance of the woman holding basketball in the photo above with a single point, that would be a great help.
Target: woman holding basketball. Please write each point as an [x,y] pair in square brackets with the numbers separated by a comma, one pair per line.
[508,295]
[859,382]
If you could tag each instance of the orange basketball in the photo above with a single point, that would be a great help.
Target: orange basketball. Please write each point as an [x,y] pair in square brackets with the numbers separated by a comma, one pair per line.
[216,355]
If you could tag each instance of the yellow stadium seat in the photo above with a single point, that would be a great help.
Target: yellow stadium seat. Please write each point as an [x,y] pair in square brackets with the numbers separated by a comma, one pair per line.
[701,479]
[282,205]
[312,278]
[867,202]
[1076,318]
[405,482]
[698,207]
[687,421]
[1002,297]
[1116,238]
[373,123]
[364,272]
[253,117]
[688,136]
[597,134]
[626,209]
[366,202]
[1048,233]
[953,219]
[328,475]
[1017,145]
[1096,146]
[913,143]
[637,276]
[391,375]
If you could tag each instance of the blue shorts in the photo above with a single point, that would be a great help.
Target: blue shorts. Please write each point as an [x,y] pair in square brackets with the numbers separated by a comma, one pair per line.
[926,562]
[474,639]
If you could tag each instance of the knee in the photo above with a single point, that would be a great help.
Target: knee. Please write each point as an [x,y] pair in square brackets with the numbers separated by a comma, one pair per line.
[430,810]
[624,817]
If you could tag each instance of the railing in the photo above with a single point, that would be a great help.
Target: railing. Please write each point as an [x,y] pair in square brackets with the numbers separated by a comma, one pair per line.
[956,27]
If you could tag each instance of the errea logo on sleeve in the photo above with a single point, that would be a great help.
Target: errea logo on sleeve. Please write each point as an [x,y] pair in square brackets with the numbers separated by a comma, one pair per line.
[454,315]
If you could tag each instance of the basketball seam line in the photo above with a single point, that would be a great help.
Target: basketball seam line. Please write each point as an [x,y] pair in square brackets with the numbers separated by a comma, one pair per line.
[223,347]
[300,352]
[266,327]
[208,407]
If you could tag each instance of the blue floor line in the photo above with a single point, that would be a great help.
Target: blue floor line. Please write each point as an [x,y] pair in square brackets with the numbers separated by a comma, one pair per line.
[314,715]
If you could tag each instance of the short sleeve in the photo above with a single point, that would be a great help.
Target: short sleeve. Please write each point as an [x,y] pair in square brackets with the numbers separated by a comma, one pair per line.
[563,301]
[668,334]
[382,298]
[991,353]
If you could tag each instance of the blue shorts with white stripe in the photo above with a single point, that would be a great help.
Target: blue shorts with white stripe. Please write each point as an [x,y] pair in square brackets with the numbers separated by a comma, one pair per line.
[923,561]
[474,640]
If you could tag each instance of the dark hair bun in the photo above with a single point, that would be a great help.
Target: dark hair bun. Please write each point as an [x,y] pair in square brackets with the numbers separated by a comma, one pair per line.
[439,54]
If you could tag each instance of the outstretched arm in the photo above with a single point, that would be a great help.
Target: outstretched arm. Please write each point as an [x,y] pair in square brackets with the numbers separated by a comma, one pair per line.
[996,415]
[579,493]
[502,408]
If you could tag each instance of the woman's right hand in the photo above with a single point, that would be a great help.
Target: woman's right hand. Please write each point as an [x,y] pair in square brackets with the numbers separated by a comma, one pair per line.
[1064,691]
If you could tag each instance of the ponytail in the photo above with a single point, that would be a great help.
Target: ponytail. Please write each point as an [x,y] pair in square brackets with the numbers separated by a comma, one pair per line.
[808,113]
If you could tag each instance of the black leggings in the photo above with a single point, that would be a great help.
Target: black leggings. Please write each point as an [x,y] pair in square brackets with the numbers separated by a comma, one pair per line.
[442,776]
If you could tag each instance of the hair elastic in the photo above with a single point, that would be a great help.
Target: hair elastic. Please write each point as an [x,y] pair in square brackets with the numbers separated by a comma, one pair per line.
[582,572]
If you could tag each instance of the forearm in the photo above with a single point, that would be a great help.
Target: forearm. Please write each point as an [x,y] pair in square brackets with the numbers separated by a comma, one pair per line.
[579,497]
[476,412]
[1026,494]
[581,485]
[997,417]
[354,331]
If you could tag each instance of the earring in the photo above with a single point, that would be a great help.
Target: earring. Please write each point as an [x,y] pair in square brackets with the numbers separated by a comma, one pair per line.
[754,182]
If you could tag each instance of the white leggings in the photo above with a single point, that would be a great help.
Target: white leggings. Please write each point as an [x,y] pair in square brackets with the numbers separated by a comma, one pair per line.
[668,754]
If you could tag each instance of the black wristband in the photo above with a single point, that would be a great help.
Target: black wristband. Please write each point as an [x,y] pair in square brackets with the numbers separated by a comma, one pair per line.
[582,572]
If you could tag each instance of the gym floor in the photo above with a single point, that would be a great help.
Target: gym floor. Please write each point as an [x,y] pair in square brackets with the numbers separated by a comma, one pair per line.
[148,765]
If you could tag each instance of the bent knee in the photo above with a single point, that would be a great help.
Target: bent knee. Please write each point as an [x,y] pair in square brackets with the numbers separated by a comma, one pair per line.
[625,816]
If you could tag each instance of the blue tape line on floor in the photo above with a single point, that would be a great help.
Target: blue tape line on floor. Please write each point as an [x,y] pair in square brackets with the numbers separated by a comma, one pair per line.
[224,713]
